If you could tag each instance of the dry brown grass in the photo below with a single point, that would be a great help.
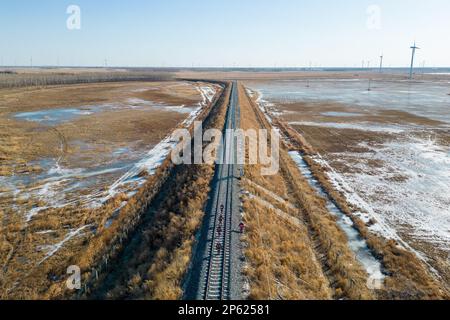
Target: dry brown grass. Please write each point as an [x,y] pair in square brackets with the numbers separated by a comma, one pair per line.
[317,112]
[281,264]
[346,275]
[159,251]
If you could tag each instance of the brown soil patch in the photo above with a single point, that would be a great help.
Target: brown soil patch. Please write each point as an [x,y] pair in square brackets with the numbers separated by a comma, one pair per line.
[314,111]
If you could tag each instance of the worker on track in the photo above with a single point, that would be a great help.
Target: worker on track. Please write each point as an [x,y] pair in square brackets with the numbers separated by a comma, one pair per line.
[218,247]
[242,227]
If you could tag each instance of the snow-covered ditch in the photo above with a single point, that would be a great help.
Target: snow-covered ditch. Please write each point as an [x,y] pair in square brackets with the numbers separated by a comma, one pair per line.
[357,244]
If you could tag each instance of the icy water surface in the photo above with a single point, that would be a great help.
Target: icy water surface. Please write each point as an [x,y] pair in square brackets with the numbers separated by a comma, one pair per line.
[53,117]
[429,99]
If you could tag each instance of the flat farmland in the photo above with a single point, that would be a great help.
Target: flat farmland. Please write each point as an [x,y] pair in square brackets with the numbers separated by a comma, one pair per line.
[384,145]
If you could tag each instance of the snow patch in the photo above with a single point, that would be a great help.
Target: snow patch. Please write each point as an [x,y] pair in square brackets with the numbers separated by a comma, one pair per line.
[52,249]
[354,126]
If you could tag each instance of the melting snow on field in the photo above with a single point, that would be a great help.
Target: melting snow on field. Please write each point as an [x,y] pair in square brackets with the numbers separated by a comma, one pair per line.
[354,126]
[410,190]
[52,249]
[157,155]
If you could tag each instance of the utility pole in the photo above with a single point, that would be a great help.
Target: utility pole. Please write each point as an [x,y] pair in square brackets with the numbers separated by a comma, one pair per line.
[381,63]
[414,48]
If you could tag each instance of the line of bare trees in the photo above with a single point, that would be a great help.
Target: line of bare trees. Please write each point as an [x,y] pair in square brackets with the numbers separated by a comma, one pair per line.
[18,80]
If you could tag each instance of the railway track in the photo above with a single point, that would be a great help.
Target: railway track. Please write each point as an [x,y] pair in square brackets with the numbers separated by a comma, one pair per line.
[217,282]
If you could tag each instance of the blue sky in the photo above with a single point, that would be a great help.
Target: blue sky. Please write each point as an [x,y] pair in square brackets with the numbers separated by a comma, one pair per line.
[224,33]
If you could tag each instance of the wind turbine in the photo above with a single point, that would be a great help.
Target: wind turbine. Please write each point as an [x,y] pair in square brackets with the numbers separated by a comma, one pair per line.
[381,62]
[414,48]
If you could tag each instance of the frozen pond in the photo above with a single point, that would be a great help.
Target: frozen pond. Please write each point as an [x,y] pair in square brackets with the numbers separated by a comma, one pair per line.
[54,117]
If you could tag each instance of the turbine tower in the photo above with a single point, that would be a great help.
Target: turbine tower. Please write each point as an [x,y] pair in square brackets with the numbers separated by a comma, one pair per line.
[414,48]
[381,62]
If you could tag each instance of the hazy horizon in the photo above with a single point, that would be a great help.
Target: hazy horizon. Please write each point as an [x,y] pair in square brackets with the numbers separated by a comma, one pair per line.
[254,34]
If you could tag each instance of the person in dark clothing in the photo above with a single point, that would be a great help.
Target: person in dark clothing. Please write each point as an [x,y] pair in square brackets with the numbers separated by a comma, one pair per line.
[242,227]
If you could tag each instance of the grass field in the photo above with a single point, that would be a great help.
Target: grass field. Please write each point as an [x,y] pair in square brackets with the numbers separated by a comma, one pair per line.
[371,161]
[62,151]
[86,179]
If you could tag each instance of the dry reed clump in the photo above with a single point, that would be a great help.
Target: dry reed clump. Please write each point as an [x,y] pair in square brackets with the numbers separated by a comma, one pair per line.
[280,260]
[407,277]
[172,242]
[347,276]
[30,267]
[279,203]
